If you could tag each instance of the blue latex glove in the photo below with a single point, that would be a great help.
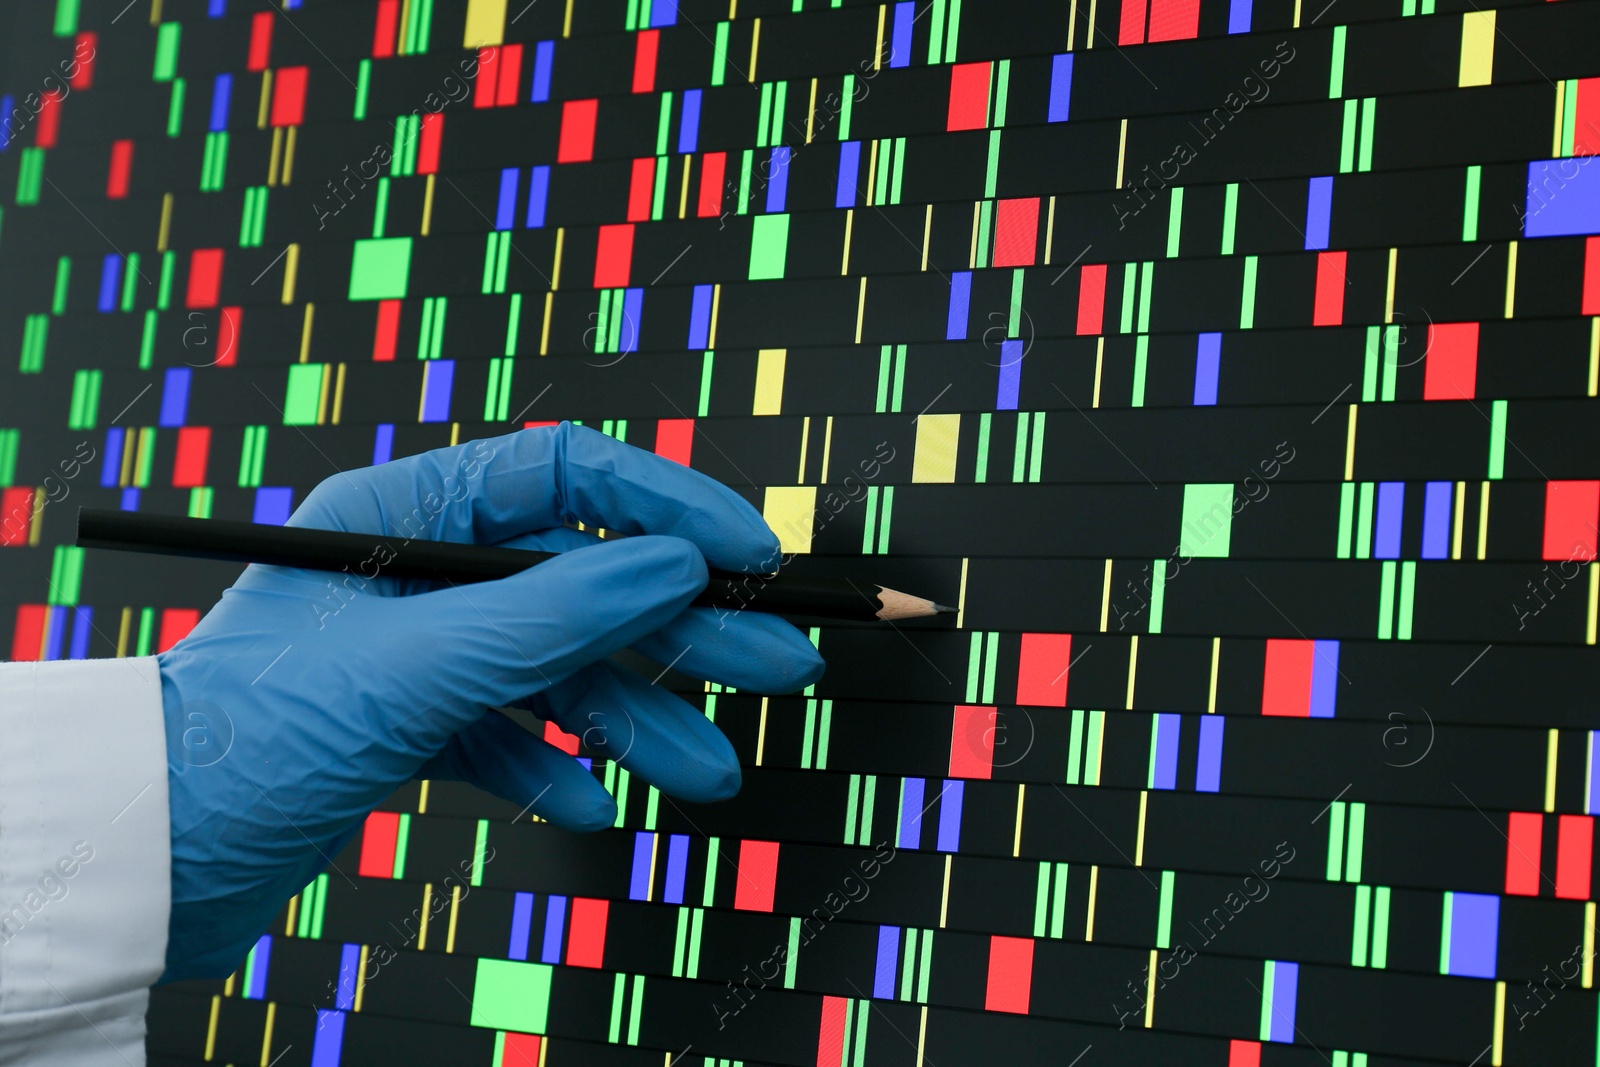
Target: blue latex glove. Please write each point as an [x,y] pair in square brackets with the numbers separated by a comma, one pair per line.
[293,710]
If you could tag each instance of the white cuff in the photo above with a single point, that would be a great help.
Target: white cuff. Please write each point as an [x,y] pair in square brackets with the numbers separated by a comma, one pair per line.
[85,859]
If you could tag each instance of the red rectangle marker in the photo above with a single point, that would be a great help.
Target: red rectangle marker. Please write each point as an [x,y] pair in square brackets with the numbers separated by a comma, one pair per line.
[1010,974]
[429,139]
[228,336]
[488,72]
[675,439]
[49,120]
[1244,1053]
[510,75]
[121,169]
[189,462]
[383,33]
[1130,27]
[1091,299]
[1591,276]
[1586,123]
[577,131]
[613,255]
[645,48]
[586,937]
[1042,670]
[758,876]
[1016,232]
[1524,839]
[1451,370]
[520,1050]
[1329,307]
[641,185]
[712,168]
[1574,856]
[83,54]
[378,838]
[205,278]
[559,738]
[27,640]
[830,1033]
[1174,20]
[972,742]
[16,513]
[1571,511]
[388,331]
[175,626]
[260,41]
[289,96]
[969,97]
[1286,679]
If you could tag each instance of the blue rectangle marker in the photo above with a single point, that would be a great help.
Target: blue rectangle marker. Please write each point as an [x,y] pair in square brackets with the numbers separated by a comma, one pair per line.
[1319,212]
[677,868]
[1005,398]
[960,297]
[82,627]
[1060,88]
[1391,506]
[911,812]
[1285,987]
[221,96]
[538,193]
[778,179]
[700,317]
[689,122]
[1168,727]
[1207,365]
[175,396]
[1208,767]
[887,963]
[1436,520]
[555,917]
[1474,932]
[900,38]
[1563,198]
[328,1043]
[544,54]
[437,377]
[521,926]
[383,443]
[950,816]
[1324,678]
[639,883]
[110,277]
[507,211]
[1239,16]
[849,165]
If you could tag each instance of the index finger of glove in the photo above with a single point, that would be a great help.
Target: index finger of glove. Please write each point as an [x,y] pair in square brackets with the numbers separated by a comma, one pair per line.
[489,490]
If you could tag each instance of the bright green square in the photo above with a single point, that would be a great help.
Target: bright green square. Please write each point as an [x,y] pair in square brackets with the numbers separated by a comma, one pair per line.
[769,246]
[508,995]
[1207,520]
[303,395]
[379,268]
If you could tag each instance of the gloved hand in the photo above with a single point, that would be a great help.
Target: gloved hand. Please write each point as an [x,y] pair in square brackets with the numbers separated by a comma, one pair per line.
[325,700]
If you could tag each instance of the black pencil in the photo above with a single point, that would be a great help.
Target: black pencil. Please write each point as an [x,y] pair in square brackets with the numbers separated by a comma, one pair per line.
[377,555]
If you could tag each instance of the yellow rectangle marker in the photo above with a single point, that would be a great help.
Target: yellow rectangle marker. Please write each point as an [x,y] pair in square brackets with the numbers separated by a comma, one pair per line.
[769,381]
[1477,48]
[935,459]
[788,509]
[486,23]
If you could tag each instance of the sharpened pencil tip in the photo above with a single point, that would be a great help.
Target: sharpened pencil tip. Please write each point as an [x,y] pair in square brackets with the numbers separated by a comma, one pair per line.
[943,609]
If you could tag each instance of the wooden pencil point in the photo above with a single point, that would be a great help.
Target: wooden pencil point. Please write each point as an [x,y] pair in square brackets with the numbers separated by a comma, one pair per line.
[898,605]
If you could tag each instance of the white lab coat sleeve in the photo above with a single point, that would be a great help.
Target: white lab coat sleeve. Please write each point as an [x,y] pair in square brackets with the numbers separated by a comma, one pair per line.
[85,855]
